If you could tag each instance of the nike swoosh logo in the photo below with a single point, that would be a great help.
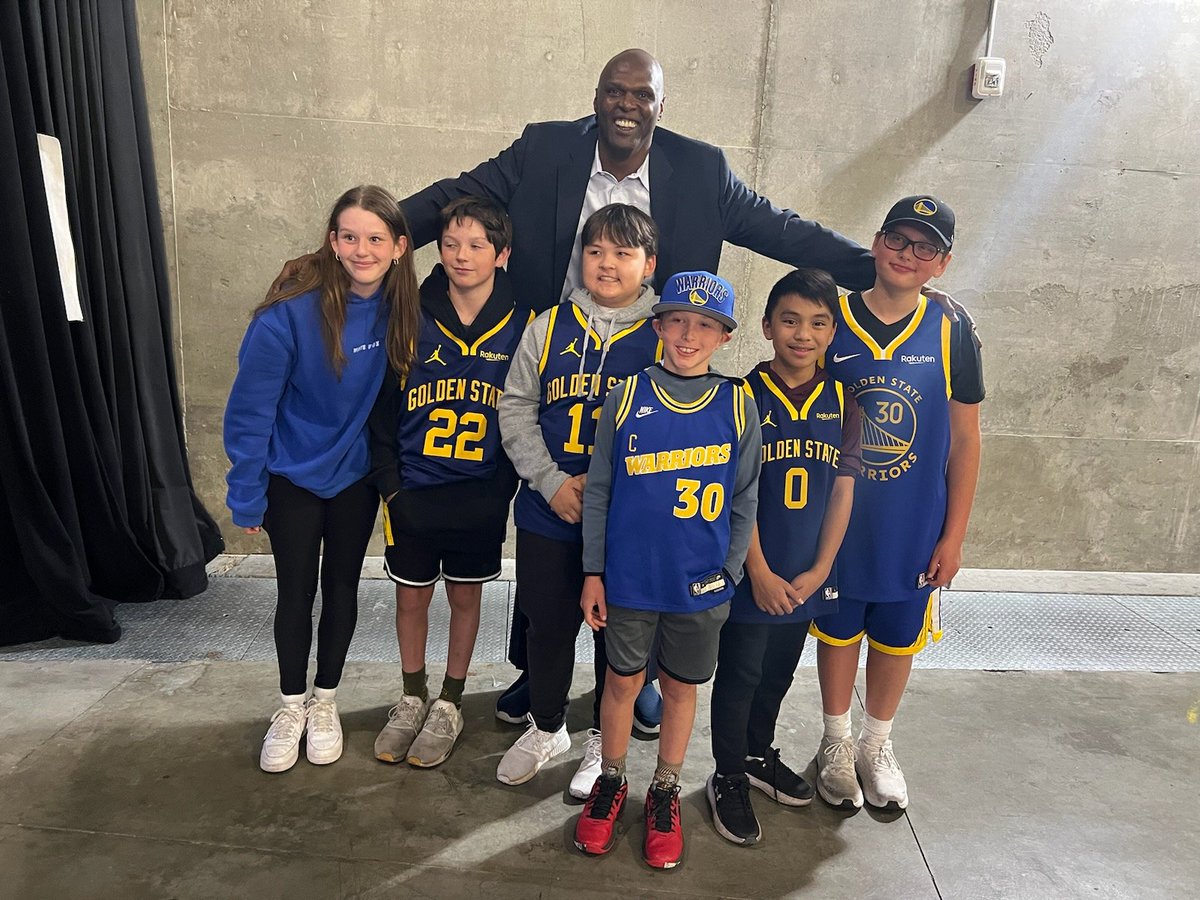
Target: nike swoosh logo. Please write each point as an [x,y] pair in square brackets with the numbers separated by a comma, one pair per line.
[642,413]
[837,358]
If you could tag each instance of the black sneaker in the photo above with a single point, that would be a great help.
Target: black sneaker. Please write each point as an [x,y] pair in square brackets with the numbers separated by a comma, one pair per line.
[733,816]
[771,776]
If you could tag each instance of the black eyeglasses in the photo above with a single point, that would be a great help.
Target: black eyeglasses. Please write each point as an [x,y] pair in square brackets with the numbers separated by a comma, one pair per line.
[922,250]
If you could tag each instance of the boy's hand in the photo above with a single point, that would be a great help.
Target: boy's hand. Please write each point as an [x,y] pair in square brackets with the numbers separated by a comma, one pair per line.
[806,584]
[945,563]
[291,270]
[252,529]
[595,610]
[567,501]
[772,594]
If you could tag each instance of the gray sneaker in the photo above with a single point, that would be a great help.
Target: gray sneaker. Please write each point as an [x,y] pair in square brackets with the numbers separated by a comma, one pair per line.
[836,780]
[532,750]
[404,721]
[442,727]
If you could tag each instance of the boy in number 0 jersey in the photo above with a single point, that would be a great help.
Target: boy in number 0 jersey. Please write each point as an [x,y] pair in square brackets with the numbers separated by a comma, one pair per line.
[810,458]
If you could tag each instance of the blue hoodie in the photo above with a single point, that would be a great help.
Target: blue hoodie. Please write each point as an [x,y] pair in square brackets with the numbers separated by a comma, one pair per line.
[289,414]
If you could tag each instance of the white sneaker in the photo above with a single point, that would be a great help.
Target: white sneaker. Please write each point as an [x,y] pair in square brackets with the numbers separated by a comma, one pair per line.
[836,781]
[532,750]
[403,724]
[589,767]
[882,781]
[442,727]
[281,746]
[323,739]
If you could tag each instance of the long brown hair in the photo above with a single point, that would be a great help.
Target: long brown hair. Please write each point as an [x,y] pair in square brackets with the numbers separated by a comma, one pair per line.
[323,271]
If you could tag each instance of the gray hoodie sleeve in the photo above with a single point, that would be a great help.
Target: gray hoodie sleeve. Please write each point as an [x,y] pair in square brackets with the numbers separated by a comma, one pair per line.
[744,510]
[518,409]
[598,489]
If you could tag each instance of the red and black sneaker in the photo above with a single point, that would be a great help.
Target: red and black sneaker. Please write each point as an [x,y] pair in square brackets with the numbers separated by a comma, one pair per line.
[663,848]
[595,832]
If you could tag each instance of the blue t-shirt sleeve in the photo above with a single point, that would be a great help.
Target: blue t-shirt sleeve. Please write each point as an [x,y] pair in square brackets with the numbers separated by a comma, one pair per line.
[265,363]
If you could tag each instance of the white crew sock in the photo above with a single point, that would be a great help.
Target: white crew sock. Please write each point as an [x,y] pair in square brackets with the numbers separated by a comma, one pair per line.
[837,728]
[324,693]
[875,732]
[292,699]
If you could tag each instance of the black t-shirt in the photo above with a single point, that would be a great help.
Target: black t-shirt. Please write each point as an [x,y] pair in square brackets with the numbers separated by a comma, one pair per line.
[966,362]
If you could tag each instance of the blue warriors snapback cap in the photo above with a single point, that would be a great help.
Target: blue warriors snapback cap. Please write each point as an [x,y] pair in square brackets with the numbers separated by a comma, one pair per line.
[699,292]
[924,210]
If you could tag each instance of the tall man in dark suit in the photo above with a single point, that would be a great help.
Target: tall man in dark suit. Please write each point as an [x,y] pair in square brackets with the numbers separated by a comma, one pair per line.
[557,173]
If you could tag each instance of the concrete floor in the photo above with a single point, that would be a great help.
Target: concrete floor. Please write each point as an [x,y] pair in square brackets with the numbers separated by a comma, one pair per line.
[131,778]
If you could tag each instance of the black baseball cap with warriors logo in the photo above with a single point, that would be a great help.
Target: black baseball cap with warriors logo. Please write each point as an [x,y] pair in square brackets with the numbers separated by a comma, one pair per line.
[924,210]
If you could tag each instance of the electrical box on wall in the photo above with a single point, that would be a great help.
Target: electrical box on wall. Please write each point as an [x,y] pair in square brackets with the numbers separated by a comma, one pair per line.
[989,77]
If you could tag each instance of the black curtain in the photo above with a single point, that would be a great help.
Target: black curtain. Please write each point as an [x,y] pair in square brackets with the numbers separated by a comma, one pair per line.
[96,500]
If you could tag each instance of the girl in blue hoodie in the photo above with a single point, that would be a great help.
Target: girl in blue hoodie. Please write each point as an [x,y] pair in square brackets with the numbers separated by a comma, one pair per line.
[309,370]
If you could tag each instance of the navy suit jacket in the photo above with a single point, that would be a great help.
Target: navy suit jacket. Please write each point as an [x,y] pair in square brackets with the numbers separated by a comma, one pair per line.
[695,199]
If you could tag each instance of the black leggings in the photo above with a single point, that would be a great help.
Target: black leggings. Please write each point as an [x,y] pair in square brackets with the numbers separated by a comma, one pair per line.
[297,522]
[755,665]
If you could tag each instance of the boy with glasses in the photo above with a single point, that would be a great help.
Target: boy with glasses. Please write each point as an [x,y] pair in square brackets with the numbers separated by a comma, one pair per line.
[917,377]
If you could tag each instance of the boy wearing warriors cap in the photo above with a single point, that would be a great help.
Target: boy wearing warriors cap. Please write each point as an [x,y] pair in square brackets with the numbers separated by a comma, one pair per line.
[667,515]
[917,376]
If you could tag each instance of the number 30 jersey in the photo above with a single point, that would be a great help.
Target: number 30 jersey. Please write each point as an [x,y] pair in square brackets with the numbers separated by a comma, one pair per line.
[903,390]
[578,367]
[674,467]
[448,429]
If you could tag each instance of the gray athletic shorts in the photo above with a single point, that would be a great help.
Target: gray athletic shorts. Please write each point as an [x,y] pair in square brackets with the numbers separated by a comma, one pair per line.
[688,649]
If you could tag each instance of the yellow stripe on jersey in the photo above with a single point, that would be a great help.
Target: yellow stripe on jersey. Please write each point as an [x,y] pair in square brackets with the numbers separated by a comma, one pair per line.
[878,352]
[492,333]
[841,392]
[463,348]
[774,389]
[739,412]
[626,403]
[946,353]
[595,336]
[812,398]
[549,337]
[658,351]
[676,406]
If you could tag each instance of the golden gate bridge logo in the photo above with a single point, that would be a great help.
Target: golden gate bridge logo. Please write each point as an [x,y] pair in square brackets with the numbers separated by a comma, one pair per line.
[889,426]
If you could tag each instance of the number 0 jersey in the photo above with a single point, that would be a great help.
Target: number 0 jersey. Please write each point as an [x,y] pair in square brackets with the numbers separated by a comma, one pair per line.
[577,371]
[800,456]
[903,390]
[448,430]
[673,475]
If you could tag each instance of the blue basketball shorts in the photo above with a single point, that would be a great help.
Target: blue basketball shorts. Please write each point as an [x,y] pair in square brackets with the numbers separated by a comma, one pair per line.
[901,629]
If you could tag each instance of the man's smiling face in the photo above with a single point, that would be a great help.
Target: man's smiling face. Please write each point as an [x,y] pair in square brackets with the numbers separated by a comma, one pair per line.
[629,100]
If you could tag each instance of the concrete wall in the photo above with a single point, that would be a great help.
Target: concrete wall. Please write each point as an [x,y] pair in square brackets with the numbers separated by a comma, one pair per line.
[1076,195]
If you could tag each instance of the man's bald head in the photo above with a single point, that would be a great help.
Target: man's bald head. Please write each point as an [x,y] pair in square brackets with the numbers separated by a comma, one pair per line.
[638,58]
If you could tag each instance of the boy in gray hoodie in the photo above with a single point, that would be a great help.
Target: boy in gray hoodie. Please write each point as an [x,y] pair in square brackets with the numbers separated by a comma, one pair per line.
[568,359]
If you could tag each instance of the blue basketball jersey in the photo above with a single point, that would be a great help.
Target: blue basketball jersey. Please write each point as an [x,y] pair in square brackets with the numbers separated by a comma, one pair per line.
[573,393]
[674,468]
[900,501]
[800,454]
[448,429]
